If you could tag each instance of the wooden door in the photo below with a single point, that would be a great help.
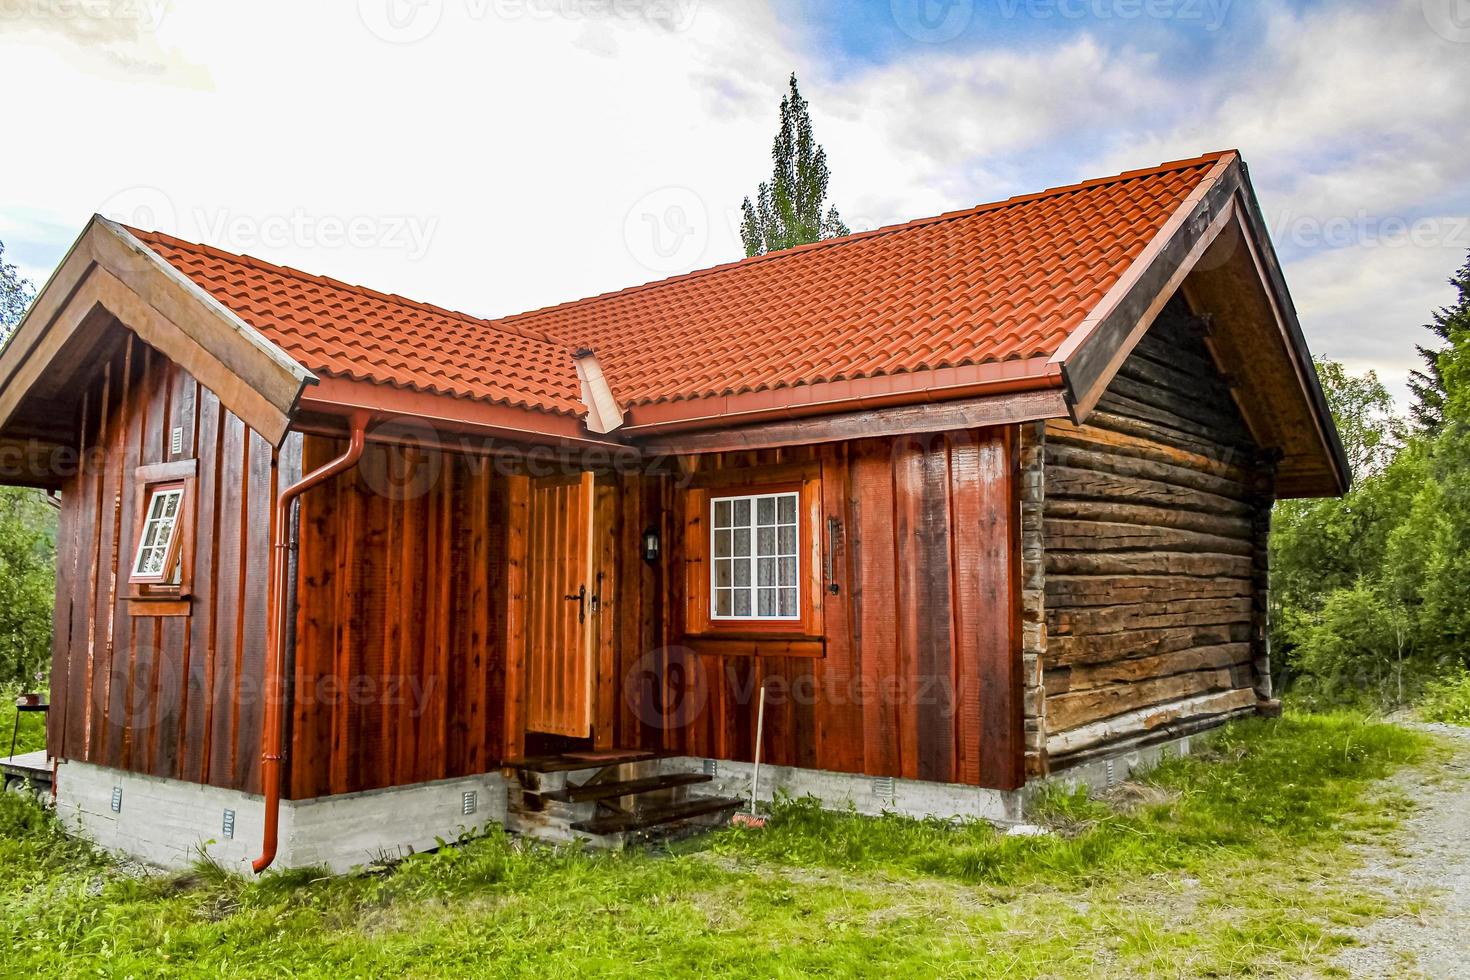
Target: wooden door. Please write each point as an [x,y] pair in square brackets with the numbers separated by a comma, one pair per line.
[559,615]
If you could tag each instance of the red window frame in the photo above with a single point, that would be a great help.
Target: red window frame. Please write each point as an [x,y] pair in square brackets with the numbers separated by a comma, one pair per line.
[165,574]
[799,636]
[174,583]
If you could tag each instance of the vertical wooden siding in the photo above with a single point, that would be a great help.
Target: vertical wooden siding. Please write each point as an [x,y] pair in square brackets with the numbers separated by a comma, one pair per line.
[921,672]
[401,578]
[168,696]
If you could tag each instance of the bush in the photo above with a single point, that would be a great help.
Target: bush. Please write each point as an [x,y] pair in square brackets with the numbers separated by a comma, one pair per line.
[28,585]
[1448,699]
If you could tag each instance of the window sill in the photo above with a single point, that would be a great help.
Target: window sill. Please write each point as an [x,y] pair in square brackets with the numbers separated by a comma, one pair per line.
[159,605]
[740,644]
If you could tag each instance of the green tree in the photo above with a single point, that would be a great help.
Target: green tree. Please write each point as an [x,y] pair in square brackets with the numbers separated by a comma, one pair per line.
[789,208]
[1326,544]
[16,294]
[28,584]
[1429,552]
[1356,645]
[27,541]
[1428,385]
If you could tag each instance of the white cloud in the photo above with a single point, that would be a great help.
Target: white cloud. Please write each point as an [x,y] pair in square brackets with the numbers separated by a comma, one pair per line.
[518,139]
[513,157]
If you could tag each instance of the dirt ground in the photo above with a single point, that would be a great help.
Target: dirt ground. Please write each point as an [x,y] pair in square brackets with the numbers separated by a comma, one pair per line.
[1425,866]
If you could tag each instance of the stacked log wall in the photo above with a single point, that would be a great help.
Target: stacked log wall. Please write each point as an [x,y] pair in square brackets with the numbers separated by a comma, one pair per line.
[1155,578]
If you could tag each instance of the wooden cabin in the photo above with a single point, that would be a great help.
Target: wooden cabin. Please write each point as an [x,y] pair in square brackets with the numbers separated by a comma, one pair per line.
[915,517]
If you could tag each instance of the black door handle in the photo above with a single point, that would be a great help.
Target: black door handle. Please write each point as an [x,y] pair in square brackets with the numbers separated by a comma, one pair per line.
[580,598]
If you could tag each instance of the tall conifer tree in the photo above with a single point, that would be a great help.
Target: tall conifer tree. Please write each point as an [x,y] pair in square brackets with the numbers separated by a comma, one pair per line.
[789,208]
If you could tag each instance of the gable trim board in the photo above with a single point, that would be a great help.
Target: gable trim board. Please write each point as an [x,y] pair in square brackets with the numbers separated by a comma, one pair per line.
[108,273]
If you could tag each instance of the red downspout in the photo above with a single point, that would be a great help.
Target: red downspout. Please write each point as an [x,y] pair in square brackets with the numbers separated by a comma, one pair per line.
[275,664]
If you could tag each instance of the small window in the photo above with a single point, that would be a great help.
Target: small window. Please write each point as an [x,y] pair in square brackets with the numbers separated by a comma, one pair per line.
[754,551]
[158,541]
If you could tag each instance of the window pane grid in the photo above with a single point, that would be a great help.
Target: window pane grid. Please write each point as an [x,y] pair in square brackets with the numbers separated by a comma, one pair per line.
[158,531]
[754,557]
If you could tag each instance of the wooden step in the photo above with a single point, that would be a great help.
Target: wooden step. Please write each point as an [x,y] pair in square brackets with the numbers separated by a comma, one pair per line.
[623,823]
[574,761]
[632,787]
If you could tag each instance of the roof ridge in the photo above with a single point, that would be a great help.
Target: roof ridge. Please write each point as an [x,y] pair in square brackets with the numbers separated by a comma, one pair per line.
[293,272]
[1012,201]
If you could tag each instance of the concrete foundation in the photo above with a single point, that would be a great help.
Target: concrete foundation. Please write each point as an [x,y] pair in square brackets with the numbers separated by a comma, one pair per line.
[1100,774]
[171,823]
[865,794]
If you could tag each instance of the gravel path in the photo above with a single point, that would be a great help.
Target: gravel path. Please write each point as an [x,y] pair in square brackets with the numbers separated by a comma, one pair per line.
[1429,861]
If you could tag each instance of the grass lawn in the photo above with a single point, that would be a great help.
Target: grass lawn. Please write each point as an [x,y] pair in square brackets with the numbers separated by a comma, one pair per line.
[1226,863]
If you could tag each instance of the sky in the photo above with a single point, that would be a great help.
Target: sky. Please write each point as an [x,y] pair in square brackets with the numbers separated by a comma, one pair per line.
[495,156]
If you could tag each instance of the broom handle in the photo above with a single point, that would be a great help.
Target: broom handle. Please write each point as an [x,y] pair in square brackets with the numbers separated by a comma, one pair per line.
[760,726]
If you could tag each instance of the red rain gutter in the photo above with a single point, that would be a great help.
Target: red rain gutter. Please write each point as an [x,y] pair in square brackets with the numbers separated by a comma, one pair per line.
[271,749]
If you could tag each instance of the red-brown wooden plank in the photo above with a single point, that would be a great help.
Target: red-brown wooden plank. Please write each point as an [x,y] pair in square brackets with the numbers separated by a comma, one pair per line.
[225,693]
[875,603]
[1002,763]
[970,612]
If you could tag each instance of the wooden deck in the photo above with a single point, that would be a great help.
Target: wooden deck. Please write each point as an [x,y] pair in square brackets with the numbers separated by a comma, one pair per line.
[28,766]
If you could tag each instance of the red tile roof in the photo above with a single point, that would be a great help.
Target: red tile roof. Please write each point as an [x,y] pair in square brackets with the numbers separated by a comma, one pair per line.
[347,331]
[998,282]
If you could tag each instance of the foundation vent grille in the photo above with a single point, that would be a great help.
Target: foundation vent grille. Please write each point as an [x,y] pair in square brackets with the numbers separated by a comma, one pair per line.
[117,799]
[228,825]
[469,803]
[711,767]
[884,787]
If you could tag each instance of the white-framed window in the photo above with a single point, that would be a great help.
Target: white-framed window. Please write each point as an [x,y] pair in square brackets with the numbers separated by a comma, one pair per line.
[754,547]
[158,539]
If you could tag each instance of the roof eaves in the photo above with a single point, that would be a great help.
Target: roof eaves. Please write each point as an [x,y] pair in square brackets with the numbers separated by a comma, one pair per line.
[1095,349]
